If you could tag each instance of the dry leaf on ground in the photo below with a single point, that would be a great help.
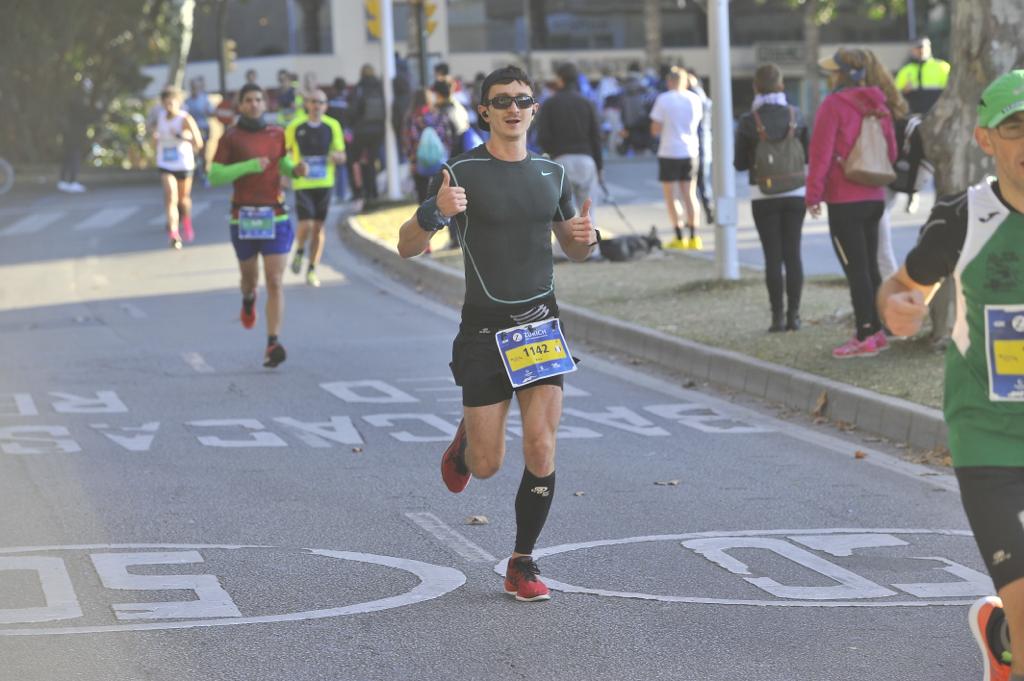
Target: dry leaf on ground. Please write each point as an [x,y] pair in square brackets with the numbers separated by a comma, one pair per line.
[477,520]
[820,404]
[667,483]
[860,454]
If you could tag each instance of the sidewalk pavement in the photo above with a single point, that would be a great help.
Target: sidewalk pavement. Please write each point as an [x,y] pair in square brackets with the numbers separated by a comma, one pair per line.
[890,417]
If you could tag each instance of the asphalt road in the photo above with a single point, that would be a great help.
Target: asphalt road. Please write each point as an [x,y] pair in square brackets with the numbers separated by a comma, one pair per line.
[171,510]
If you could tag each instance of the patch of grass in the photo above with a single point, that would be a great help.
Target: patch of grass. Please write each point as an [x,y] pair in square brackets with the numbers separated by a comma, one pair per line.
[680,295]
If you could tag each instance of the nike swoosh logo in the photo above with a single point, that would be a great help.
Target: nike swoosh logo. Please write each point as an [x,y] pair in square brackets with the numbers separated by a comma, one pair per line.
[547,173]
[989,216]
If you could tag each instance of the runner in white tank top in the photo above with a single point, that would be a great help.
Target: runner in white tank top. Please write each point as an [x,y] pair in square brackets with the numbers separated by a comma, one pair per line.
[177,139]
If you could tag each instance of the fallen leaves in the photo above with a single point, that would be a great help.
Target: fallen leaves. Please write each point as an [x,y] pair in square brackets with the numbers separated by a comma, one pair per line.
[579,494]
[860,454]
[477,520]
[667,483]
[357,450]
[820,405]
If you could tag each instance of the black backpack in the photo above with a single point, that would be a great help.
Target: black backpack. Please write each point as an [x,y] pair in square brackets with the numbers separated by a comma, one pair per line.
[779,163]
[373,109]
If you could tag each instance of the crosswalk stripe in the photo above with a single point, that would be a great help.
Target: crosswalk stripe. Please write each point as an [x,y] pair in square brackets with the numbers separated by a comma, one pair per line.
[30,224]
[198,208]
[106,218]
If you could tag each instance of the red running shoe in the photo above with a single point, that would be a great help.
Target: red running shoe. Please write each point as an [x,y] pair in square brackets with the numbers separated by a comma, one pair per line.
[986,618]
[186,230]
[522,580]
[248,314]
[453,462]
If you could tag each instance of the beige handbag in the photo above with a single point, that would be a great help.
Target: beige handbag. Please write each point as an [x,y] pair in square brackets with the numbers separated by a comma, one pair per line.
[868,160]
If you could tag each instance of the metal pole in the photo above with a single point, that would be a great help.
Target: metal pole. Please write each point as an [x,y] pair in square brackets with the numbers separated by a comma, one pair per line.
[726,257]
[421,42]
[528,32]
[387,46]
[911,21]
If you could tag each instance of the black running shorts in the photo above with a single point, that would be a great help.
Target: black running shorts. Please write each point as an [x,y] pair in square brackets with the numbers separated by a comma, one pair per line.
[312,204]
[675,169]
[479,371]
[993,499]
[178,174]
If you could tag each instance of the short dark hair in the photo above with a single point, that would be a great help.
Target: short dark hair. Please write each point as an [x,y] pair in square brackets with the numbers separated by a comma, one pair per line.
[503,76]
[768,78]
[569,74]
[441,68]
[442,88]
[247,88]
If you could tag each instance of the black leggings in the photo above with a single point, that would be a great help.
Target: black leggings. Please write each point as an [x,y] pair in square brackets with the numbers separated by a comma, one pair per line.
[854,230]
[778,223]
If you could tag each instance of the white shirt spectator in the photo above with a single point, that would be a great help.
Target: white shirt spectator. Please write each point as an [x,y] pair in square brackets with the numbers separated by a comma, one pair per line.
[679,114]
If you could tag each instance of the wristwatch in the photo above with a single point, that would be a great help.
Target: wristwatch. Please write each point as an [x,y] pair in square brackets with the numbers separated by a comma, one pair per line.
[597,237]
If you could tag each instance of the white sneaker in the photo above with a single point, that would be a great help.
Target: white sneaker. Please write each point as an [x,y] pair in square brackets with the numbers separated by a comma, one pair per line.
[63,186]
[76,187]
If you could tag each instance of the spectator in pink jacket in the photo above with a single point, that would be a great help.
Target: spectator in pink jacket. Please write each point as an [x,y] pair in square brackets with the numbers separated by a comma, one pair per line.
[853,209]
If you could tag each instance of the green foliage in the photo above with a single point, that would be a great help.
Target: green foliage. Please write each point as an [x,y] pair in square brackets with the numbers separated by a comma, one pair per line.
[68,66]
[825,10]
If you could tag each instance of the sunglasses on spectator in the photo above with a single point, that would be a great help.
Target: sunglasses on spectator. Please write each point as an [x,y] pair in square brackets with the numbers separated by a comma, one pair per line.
[318,101]
[505,101]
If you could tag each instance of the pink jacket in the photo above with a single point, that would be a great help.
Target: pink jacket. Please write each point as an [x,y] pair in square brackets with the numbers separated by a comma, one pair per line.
[836,127]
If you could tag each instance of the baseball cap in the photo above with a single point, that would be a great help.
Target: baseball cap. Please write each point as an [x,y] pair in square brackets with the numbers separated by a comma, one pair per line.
[1001,99]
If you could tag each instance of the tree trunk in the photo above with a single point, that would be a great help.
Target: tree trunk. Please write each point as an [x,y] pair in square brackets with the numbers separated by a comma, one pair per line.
[222,22]
[985,44]
[181,41]
[652,33]
[812,41]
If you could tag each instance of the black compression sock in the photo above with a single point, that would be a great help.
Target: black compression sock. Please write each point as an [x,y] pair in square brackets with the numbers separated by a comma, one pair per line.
[271,340]
[693,230]
[532,504]
[679,233]
[248,301]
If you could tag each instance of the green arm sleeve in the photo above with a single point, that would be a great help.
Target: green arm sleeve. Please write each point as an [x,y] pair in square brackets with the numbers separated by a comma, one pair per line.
[221,173]
[287,166]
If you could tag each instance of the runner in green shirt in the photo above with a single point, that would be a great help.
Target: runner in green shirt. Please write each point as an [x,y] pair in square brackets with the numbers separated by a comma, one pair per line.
[977,237]
[318,140]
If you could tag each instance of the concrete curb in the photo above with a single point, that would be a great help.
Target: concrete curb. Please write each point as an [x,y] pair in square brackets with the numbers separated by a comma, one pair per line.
[890,417]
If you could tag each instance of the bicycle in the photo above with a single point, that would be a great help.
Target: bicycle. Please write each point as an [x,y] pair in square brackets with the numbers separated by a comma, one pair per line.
[6,176]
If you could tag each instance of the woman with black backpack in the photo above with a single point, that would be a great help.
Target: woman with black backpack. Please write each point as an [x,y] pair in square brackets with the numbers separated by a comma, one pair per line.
[771,143]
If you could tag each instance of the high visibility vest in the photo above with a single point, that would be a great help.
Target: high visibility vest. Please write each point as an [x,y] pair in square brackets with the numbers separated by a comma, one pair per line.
[929,75]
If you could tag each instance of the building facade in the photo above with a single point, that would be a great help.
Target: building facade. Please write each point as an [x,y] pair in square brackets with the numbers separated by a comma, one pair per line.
[480,35]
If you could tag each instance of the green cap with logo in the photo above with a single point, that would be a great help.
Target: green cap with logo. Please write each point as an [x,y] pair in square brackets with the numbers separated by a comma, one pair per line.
[1001,99]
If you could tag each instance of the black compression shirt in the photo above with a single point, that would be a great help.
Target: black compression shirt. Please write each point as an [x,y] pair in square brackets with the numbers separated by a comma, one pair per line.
[942,238]
[506,228]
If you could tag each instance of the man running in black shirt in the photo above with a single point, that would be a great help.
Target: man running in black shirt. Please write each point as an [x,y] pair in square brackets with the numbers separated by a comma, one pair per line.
[504,201]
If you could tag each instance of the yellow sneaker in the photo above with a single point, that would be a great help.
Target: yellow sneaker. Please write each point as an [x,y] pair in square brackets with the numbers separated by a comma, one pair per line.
[677,244]
[695,243]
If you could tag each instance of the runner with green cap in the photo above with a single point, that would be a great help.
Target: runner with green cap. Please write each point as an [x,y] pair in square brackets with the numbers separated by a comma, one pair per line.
[977,237]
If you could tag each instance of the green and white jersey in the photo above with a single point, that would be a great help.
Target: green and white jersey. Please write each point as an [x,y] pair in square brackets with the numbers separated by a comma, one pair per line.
[979,240]
[505,231]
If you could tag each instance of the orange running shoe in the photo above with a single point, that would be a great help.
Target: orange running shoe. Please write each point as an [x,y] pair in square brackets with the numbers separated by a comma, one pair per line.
[522,580]
[986,618]
[248,314]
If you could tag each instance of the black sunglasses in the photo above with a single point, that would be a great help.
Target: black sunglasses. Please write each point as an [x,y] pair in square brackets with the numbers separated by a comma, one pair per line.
[505,101]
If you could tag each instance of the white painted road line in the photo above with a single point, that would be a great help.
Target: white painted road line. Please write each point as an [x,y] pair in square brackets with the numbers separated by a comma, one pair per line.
[196,361]
[104,219]
[198,208]
[450,538]
[30,224]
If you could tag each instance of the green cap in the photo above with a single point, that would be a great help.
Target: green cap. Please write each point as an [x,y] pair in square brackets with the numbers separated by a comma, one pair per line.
[1001,99]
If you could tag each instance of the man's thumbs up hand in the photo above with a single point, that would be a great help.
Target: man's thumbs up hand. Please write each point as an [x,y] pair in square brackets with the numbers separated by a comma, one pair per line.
[582,227]
[450,200]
